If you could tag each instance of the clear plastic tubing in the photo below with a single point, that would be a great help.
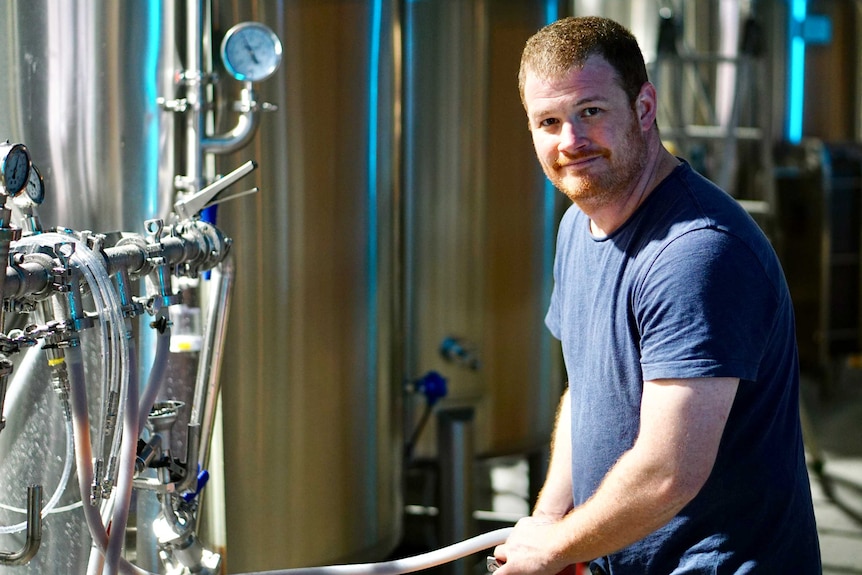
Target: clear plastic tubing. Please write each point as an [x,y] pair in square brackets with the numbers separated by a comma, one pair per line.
[84,455]
[108,307]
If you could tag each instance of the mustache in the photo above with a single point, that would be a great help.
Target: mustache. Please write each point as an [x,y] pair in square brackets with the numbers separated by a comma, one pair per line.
[566,159]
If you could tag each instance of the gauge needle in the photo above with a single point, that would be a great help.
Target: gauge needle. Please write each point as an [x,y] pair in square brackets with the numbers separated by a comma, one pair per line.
[250,51]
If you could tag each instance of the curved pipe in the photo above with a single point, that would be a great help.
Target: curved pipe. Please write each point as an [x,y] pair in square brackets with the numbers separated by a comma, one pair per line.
[34,530]
[244,130]
[409,564]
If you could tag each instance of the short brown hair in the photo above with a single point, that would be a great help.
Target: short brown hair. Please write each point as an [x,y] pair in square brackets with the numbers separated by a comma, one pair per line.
[558,47]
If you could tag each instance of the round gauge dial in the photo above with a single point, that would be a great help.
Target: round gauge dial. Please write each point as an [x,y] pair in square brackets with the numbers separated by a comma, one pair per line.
[35,190]
[14,167]
[251,52]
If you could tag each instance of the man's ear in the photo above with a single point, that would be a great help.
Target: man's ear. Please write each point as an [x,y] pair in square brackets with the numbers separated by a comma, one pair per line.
[646,106]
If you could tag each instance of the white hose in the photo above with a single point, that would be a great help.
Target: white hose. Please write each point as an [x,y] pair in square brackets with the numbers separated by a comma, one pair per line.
[407,565]
[83,455]
[123,489]
[110,313]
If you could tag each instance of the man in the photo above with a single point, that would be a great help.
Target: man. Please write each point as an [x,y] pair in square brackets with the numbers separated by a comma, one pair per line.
[678,446]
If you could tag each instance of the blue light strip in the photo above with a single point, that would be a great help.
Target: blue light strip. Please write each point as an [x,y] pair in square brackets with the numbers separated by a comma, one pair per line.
[796,71]
[547,387]
[149,173]
[372,375]
[151,78]
[552,11]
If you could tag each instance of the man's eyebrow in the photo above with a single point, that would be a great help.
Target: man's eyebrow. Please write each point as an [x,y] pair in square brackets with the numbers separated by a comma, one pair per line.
[583,102]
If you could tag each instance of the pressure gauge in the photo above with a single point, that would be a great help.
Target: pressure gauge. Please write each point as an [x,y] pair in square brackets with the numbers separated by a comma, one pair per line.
[35,190]
[251,52]
[14,167]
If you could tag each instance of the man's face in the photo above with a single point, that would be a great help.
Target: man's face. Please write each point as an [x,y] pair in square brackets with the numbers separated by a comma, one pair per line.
[587,137]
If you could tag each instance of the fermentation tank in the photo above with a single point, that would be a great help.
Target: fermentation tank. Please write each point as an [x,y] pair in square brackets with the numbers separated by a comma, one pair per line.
[481,223]
[403,205]
[310,384]
[400,206]
[80,87]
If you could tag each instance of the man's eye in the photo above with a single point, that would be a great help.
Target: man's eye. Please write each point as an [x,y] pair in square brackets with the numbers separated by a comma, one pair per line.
[592,111]
[547,122]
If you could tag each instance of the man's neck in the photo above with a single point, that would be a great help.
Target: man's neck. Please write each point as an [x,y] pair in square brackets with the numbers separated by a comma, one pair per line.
[605,219]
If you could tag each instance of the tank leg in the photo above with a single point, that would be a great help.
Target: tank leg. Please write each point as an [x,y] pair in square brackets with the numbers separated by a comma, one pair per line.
[456,449]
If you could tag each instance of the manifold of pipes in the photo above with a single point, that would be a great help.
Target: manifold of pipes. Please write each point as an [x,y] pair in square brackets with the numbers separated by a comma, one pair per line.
[72,283]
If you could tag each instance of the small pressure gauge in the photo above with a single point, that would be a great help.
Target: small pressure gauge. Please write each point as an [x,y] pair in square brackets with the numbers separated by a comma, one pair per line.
[251,52]
[14,167]
[35,190]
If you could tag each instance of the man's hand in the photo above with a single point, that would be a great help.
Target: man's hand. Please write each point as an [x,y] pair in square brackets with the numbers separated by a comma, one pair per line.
[530,549]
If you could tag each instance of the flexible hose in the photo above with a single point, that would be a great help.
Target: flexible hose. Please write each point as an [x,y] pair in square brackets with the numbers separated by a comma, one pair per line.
[406,565]
[113,343]
[120,372]
[123,490]
[109,308]
[157,374]
[84,454]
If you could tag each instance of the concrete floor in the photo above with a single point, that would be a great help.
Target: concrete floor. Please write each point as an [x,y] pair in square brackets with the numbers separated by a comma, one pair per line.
[834,446]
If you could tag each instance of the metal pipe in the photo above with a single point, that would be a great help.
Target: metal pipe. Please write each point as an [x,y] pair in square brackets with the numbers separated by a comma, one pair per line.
[34,530]
[197,244]
[194,77]
[456,449]
[210,361]
[244,130]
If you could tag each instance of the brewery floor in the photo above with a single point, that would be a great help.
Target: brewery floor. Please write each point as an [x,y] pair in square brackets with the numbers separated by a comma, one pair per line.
[834,444]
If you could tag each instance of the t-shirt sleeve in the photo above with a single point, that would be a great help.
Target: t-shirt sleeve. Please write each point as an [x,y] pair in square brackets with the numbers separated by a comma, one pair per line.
[704,309]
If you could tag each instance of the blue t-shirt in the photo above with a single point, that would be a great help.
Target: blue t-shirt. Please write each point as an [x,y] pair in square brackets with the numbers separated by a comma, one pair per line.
[689,287]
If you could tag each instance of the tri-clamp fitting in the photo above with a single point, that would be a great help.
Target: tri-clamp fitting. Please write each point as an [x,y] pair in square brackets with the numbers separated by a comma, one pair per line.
[67,280]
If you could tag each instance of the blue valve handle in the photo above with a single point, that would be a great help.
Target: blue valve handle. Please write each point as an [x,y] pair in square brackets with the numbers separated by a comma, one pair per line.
[203,479]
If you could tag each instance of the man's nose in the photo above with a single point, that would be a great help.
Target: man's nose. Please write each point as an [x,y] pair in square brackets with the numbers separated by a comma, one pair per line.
[570,139]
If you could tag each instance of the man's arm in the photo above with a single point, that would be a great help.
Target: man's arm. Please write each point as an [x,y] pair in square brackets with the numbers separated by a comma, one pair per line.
[555,498]
[680,430]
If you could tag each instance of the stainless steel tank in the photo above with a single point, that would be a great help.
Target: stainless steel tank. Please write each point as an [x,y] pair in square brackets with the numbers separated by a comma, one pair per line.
[400,204]
[398,209]
[480,224]
[80,87]
[311,389]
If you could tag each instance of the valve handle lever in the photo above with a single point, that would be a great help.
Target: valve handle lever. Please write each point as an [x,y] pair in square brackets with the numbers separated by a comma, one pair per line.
[187,208]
